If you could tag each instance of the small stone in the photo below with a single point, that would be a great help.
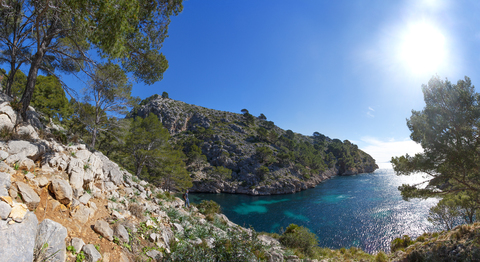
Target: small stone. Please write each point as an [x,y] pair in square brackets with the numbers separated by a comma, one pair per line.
[78,244]
[84,199]
[124,258]
[7,200]
[92,205]
[91,253]
[42,181]
[54,203]
[155,254]
[18,211]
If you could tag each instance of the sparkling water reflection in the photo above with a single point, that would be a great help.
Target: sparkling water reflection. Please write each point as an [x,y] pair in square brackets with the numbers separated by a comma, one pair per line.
[365,211]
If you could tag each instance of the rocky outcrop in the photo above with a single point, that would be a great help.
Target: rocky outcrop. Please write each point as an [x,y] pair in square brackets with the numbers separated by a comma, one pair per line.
[228,140]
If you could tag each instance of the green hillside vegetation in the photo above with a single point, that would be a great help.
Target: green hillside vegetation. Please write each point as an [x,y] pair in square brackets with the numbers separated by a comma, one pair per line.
[255,150]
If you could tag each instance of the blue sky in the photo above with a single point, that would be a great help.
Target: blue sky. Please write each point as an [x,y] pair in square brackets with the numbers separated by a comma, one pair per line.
[347,69]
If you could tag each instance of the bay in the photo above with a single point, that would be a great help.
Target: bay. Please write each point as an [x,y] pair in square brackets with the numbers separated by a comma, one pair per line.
[365,210]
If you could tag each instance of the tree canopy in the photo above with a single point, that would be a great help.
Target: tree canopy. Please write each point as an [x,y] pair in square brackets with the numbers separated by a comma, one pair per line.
[448,130]
[60,35]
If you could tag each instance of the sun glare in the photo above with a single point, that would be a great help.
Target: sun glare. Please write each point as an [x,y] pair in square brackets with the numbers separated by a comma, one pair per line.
[423,48]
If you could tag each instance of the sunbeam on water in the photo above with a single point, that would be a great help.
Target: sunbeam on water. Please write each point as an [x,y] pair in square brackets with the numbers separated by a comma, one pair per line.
[365,211]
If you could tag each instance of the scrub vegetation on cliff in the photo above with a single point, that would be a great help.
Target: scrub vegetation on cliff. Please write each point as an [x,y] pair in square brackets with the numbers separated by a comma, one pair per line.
[240,153]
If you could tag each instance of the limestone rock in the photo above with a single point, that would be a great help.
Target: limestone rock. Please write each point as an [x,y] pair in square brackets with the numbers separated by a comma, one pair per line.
[53,234]
[78,244]
[26,149]
[27,130]
[17,242]
[42,181]
[5,210]
[82,214]
[76,171]
[6,168]
[5,183]
[5,121]
[9,116]
[103,228]
[30,197]
[122,233]
[179,228]
[91,253]
[26,164]
[7,199]
[111,171]
[18,212]
[155,255]
[62,190]
[85,198]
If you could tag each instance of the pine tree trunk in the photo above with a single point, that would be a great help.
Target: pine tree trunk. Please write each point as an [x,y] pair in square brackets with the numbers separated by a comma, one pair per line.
[31,79]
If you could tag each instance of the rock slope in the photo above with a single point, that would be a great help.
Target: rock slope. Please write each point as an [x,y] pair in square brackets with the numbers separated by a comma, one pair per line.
[65,203]
[263,159]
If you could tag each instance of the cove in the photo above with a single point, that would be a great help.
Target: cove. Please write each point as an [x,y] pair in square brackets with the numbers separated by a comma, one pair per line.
[365,210]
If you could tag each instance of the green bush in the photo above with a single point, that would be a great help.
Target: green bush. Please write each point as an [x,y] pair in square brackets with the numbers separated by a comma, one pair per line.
[381,257]
[300,238]
[400,243]
[209,208]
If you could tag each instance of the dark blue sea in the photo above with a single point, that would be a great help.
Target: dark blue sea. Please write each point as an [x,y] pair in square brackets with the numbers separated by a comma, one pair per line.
[365,211]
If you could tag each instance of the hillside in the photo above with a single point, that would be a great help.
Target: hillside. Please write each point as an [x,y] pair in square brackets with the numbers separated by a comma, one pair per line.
[65,203]
[240,153]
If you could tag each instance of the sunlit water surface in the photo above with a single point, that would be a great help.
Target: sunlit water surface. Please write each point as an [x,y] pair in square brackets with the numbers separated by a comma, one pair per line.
[365,211]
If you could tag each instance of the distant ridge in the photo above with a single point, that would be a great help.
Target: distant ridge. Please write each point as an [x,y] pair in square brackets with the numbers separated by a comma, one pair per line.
[240,153]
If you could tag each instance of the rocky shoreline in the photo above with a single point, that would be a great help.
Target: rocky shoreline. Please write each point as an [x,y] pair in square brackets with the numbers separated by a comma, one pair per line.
[290,186]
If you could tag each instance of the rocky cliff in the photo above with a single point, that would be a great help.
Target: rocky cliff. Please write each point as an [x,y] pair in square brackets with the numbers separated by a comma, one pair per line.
[261,158]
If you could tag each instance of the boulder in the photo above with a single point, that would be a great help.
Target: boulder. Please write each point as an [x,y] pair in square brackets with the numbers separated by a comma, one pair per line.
[76,171]
[29,196]
[5,122]
[62,190]
[17,241]
[111,171]
[27,130]
[51,238]
[103,228]
[9,116]
[91,253]
[122,233]
[26,149]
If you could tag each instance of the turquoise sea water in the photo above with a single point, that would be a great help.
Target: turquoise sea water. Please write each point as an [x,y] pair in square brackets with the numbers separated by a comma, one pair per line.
[365,211]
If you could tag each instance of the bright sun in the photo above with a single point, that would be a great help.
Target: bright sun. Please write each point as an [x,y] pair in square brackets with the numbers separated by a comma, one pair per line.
[423,48]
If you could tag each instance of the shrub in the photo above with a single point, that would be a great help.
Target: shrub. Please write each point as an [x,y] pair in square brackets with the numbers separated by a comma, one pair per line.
[400,243]
[381,257]
[300,238]
[209,208]
[136,210]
